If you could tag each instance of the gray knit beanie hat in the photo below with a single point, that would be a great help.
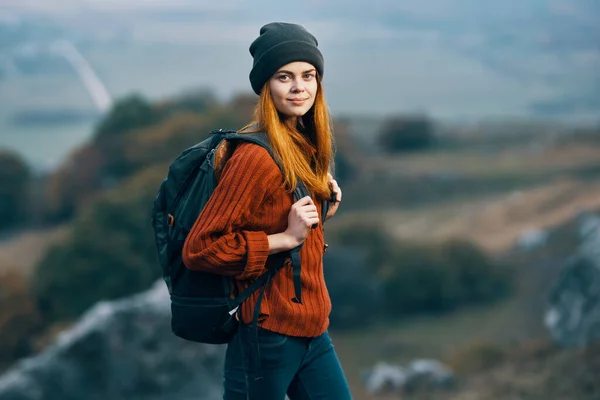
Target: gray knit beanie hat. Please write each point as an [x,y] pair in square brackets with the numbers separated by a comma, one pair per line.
[278,44]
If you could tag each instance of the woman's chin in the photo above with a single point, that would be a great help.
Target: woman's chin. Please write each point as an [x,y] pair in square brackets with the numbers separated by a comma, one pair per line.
[295,112]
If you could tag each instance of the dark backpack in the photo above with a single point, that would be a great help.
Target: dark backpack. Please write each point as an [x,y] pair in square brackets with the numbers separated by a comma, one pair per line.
[202,305]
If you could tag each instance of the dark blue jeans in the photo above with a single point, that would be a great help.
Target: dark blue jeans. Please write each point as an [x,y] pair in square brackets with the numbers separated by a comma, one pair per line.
[302,368]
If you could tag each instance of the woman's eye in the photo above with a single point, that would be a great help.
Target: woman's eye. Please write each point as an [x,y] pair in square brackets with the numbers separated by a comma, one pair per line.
[308,76]
[283,78]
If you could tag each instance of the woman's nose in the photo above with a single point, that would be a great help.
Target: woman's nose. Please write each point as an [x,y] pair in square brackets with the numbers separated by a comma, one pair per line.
[298,85]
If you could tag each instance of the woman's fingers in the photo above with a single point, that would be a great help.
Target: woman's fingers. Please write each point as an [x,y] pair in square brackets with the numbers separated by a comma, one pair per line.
[335,188]
[306,200]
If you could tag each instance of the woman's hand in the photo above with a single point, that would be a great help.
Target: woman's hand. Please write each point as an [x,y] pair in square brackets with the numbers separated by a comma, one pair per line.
[302,217]
[333,205]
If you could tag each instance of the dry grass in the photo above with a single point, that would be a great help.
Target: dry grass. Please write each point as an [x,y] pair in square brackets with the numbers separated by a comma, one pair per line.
[439,337]
[529,159]
[494,222]
[22,251]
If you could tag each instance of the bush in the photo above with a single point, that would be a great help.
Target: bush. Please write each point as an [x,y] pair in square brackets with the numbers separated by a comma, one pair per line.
[370,237]
[347,157]
[344,170]
[20,320]
[14,189]
[406,133]
[159,143]
[129,113]
[355,294]
[73,184]
[418,277]
[111,252]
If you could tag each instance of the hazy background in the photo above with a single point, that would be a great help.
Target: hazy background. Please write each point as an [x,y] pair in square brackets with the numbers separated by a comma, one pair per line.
[459,60]
[468,137]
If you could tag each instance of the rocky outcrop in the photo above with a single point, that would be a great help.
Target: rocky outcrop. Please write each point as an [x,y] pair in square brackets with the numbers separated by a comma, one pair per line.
[419,375]
[573,314]
[120,350]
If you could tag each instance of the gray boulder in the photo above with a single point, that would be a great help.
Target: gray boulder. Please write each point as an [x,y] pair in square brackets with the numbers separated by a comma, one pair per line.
[419,375]
[573,313]
[120,350]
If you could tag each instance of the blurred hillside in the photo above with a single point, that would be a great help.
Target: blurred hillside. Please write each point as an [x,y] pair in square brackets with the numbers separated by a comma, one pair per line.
[468,150]
[439,216]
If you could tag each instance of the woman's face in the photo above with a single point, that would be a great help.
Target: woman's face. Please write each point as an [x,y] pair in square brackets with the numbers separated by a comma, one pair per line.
[294,88]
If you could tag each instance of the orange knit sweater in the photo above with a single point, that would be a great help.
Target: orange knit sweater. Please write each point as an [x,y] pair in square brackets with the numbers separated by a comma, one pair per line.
[230,238]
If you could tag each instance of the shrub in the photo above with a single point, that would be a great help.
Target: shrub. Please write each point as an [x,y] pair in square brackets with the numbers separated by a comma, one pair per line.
[371,237]
[72,184]
[418,277]
[19,318]
[129,113]
[159,143]
[355,294]
[348,158]
[14,189]
[111,252]
[344,170]
[406,133]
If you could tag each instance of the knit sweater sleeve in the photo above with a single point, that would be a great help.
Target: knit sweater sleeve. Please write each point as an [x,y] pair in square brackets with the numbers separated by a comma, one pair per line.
[221,240]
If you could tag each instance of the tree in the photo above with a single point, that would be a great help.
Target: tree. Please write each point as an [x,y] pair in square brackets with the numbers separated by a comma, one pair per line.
[15,178]
[128,113]
[73,184]
[110,253]
[20,320]
[406,133]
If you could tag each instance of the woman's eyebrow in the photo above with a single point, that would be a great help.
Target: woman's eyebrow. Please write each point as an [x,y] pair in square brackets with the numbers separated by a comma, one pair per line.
[283,71]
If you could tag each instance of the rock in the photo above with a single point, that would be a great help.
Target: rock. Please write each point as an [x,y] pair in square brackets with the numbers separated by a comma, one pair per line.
[573,313]
[384,378]
[420,375]
[121,349]
[587,224]
[426,374]
[532,238]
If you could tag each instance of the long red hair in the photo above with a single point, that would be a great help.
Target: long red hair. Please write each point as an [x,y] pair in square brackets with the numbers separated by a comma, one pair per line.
[309,155]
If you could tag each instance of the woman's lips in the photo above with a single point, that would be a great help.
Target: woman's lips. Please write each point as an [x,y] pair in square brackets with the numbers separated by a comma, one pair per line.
[297,101]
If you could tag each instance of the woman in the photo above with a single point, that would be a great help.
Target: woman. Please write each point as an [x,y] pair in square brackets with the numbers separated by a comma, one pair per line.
[257,217]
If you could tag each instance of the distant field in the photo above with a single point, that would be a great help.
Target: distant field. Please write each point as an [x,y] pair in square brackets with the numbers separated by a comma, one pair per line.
[22,251]
[526,159]
[490,197]
[495,222]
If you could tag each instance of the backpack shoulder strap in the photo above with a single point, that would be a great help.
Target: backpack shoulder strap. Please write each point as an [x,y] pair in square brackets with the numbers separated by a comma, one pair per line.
[230,139]
[324,210]
[259,138]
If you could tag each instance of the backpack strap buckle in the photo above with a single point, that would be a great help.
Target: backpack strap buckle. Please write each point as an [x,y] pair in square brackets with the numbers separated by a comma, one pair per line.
[170,220]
